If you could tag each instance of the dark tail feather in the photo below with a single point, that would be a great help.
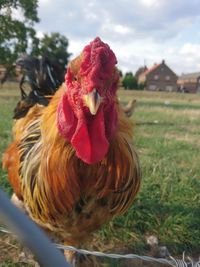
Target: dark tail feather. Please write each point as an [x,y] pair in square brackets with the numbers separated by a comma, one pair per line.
[44,78]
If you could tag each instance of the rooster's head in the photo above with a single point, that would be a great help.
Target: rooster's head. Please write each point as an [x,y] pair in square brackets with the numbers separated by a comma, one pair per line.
[87,115]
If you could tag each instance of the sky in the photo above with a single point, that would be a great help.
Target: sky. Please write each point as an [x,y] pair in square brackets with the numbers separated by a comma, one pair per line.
[140,32]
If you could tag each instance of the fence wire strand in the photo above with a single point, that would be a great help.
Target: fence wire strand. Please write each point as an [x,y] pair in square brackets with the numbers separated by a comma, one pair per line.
[172,262]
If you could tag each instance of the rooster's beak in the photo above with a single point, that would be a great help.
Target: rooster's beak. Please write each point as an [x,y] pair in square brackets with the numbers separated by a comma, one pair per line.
[92,101]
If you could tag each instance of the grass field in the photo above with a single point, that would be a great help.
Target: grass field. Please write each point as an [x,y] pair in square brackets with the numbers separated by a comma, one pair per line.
[167,135]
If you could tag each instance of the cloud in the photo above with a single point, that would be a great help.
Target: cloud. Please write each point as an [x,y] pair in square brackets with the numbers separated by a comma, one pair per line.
[138,31]
[147,17]
[189,49]
[150,3]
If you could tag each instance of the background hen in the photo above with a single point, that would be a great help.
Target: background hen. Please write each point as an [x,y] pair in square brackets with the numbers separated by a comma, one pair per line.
[72,162]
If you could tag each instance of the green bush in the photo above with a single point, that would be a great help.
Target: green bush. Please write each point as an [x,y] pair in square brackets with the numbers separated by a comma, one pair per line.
[129,81]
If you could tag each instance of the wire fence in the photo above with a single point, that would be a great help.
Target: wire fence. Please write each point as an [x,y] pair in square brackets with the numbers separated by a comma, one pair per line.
[38,243]
[30,235]
[186,261]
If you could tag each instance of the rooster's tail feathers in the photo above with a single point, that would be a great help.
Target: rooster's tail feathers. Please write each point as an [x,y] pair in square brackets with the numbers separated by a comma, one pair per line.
[43,77]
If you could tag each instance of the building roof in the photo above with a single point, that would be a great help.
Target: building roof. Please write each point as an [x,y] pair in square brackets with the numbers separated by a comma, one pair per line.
[187,76]
[155,66]
[143,76]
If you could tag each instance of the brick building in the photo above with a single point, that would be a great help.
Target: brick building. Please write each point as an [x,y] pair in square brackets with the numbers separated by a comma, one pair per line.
[189,83]
[159,78]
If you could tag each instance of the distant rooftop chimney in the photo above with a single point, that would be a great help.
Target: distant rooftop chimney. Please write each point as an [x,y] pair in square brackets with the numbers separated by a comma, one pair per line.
[163,61]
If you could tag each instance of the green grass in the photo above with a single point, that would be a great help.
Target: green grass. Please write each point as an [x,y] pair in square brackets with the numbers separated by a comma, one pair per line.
[8,100]
[168,205]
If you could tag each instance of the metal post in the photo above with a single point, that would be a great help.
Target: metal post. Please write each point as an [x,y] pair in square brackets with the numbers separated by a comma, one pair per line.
[30,235]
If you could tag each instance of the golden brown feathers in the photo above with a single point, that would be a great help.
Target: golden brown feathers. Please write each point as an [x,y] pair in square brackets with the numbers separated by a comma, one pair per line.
[63,193]
[51,168]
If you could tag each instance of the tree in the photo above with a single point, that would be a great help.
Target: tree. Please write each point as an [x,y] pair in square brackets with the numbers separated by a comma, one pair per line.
[129,81]
[141,86]
[16,32]
[54,47]
[139,71]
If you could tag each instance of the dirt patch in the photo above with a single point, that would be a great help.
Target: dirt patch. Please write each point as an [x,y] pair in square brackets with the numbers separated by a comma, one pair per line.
[12,252]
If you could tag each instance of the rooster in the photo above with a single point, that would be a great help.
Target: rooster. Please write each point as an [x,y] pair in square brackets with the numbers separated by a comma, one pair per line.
[129,108]
[72,162]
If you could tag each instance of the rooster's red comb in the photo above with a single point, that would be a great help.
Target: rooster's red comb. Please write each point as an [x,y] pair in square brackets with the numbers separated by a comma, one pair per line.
[98,57]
